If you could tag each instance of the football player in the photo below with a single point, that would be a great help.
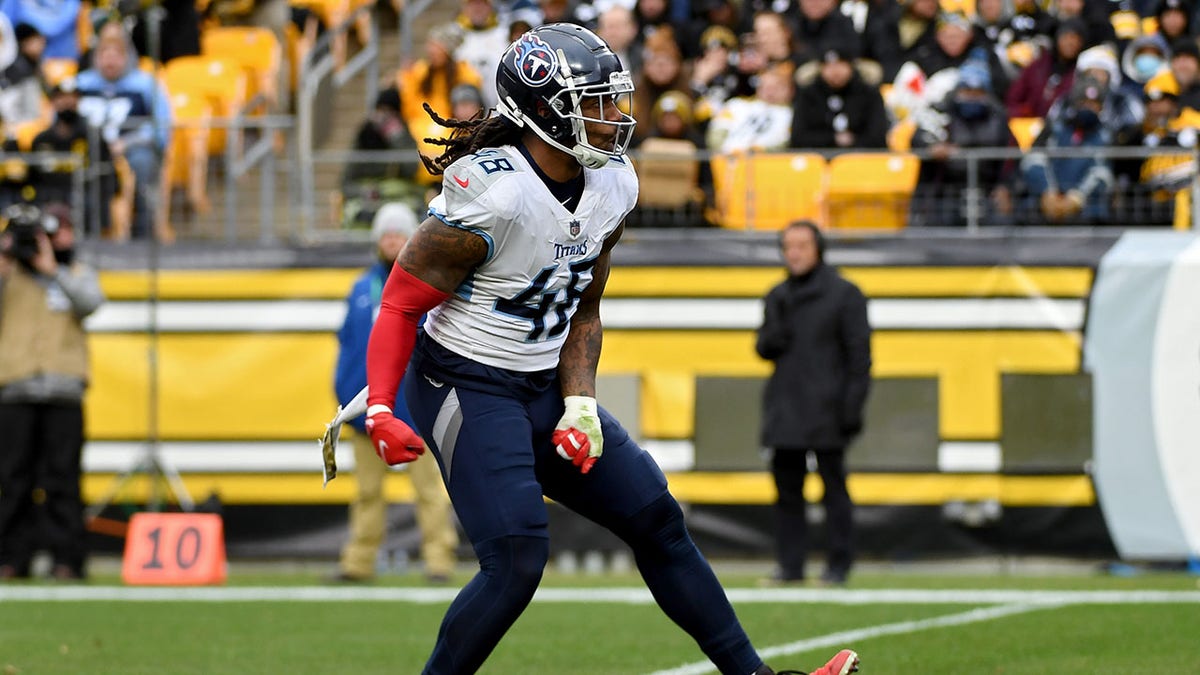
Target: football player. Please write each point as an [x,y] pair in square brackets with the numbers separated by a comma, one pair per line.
[510,267]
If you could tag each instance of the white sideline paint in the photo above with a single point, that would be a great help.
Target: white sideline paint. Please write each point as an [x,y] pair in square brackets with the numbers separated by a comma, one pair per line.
[969,457]
[849,637]
[202,316]
[287,456]
[627,596]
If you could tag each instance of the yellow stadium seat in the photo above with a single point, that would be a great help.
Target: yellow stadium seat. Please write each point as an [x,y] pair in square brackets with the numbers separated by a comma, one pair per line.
[57,70]
[669,173]
[221,82]
[964,7]
[768,191]
[186,160]
[1183,210]
[255,49]
[1126,24]
[335,12]
[899,138]
[332,13]
[871,190]
[25,132]
[1025,130]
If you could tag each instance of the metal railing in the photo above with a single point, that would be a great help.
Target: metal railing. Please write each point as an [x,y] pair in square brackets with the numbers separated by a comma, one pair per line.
[408,17]
[317,66]
[767,193]
[240,160]
[764,192]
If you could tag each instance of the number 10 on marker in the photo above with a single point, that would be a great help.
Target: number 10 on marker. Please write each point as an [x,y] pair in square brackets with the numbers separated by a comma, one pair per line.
[174,549]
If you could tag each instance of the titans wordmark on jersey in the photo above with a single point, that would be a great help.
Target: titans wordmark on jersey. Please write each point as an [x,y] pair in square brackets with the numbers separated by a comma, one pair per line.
[514,310]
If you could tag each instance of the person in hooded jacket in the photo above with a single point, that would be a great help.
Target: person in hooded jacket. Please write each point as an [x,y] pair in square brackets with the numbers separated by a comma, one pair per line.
[815,331]
[133,113]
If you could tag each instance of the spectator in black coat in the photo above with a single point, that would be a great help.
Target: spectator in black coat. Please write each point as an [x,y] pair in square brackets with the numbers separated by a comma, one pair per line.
[1185,66]
[1175,20]
[383,130]
[815,330]
[895,32]
[367,185]
[838,109]
[955,42]
[70,132]
[821,27]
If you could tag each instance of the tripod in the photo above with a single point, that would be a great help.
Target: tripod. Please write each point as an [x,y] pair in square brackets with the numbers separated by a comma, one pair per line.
[165,481]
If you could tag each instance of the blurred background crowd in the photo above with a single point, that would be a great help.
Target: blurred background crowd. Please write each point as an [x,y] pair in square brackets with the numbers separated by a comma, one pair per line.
[998,111]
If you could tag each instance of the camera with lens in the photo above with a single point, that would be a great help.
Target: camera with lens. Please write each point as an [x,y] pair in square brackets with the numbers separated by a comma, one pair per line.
[25,221]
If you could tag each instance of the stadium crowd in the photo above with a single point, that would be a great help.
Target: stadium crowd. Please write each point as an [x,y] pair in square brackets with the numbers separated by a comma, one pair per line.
[724,77]
[942,80]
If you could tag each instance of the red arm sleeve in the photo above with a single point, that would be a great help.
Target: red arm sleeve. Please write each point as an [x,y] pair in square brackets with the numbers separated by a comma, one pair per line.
[405,299]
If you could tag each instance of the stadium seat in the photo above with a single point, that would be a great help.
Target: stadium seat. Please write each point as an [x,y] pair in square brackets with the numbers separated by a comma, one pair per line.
[964,7]
[25,132]
[899,138]
[255,49]
[669,173]
[871,190]
[220,82]
[768,191]
[1126,24]
[186,160]
[1183,210]
[334,13]
[1025,130]
[57,70]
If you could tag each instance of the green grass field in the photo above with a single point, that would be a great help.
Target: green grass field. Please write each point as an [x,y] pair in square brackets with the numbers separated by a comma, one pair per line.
[606,625]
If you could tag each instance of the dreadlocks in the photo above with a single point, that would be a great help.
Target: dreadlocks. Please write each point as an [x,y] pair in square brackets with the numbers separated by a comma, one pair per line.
[468,136]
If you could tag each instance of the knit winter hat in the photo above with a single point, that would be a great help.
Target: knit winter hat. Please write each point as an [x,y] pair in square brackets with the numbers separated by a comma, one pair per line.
[393,217]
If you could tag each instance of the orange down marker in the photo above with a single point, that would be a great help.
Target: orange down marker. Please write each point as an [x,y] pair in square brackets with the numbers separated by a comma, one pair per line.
[174,549]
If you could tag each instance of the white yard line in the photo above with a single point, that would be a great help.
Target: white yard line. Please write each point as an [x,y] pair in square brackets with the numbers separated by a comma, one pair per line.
[624,595]
[848,638]
[1008,603]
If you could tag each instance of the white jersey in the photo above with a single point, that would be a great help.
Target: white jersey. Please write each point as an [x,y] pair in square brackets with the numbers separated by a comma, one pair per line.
[515,308]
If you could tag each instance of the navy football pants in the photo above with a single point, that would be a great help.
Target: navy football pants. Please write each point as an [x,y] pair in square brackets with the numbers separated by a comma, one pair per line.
[498,461]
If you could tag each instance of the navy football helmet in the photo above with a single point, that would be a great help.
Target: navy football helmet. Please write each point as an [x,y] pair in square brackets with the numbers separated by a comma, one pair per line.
[547,75]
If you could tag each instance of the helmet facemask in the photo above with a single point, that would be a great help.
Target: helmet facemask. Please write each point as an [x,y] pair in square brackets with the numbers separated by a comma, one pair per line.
[570,105]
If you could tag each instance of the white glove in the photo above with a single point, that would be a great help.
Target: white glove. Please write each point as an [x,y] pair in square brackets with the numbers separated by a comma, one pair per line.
[577,436]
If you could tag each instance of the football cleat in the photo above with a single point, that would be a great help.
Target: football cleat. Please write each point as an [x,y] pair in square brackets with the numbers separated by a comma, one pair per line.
[842,663]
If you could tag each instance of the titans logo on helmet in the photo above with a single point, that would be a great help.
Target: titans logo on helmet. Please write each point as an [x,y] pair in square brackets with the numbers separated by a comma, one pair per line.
[535,61]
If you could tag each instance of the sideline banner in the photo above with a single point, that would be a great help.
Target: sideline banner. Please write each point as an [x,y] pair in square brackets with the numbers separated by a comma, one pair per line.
[1143,348]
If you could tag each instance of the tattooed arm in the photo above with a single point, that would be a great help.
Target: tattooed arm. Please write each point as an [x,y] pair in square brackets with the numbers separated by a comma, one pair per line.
[433,263]
[442,256]
[581,350]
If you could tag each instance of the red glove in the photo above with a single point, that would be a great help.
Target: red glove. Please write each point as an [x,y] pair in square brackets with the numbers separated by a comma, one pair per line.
[395,442]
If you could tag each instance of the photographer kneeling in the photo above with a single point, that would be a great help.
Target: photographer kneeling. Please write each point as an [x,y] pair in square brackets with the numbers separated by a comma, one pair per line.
[44,297]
